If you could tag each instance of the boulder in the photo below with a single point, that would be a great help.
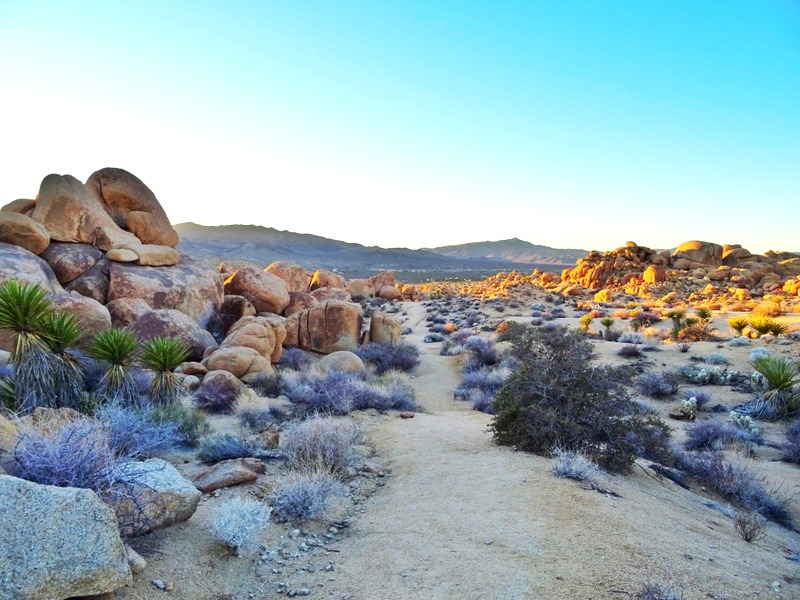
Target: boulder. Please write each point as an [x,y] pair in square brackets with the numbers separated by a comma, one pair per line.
[265,291]
[23,231]
[705,253]
[174,324]
[153,255]
[231,379]
[70,212]
[125,311]
[190,287]
[604,296]
[92,316]
[239,361]
[70,261]
[389,292]
[22,265]
[360,289]
[409,291]
[232,309]
[162,497]
[227,473]
[382,280]
[132,205]
[278,325]
[22,206]
[293,274]
[325,278]
[323,294]
[342,360]
[57,543]
[654,274]
[326,328]
[384,329]
[123,255]
[94,282]
[251,332]
[299,301]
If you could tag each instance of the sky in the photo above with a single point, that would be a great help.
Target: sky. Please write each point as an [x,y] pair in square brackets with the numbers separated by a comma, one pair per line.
[579,124]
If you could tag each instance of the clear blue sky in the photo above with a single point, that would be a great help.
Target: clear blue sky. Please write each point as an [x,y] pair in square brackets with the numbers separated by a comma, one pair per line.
[419,123]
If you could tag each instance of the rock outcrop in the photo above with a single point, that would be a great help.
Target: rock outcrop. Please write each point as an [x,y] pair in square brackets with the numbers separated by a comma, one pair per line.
[57,543]
[325,328]
[265,291]
[173,323]
[23,231]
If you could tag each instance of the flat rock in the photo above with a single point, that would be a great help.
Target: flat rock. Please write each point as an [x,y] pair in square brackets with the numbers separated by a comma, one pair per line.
[23,231]
[227,473]
[70,261]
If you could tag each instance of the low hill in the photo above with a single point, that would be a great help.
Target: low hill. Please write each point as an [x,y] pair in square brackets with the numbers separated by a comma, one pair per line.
[513,250]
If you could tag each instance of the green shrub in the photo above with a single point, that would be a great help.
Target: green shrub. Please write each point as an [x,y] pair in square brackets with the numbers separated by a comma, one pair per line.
[556,397]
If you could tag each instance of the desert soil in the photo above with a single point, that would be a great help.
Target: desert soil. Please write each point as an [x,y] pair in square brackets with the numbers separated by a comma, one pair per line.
[461,518]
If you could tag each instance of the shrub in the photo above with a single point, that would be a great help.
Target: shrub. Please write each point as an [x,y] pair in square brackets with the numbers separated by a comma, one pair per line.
[749,525]
[218,395]
[714,435]
[239,522]
[320,444]
[117,350]
[767,308]
[258,418]
[224,446]
[134,434]
[294,359]
[555,397]
[629,351]
[574,465]
[739,341]
[782,377]
[190,425]
[757,353]
[397,357]
[432,338]
[716,358]
[735,482]
[302,496]
[791,445]
[738,324]
[76,454]
[482,353]
[631,337]
[701,397]
[657,385]
[658,591]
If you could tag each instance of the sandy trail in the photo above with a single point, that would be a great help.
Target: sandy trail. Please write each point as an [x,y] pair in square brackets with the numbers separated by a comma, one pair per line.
[462,518]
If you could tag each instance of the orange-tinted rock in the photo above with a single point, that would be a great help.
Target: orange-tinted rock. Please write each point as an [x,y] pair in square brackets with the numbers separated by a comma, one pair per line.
[326,278]
[360,289]
[293,274]
[23,231]
[654,274]
[384,329]
[92,316]
[132,205]
[382,280]
[324,294]
[389,292]
[266,292]
[299,301]
[604,296]
[326,328]
[706,253]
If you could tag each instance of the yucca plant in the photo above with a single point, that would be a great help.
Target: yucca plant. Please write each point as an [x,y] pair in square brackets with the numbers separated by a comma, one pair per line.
[777,329]
[586,321]
[703,313]
[781,378]
[24,309]
[607,322]
[162,355]
[738,324]
[62,332]
[762,325]
[117,349]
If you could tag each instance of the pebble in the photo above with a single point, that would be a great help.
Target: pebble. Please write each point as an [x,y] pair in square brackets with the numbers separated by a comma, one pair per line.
[159,584]
[299,592]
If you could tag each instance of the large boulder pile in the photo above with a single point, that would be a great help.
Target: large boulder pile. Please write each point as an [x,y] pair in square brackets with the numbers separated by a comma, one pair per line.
[694,270]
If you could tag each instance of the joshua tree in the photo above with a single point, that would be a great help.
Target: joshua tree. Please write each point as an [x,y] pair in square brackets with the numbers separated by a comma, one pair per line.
[24,310]
[67,375]
[163,355]
[117,349]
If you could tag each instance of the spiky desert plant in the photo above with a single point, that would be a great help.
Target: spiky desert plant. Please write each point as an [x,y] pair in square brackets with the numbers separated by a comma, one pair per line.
[68,377]
[162,355]
[24,309]
[703,313]
[781,377]
[762,325]
[738,324]
[607,322]
[117,349]
[777,329]
[586,321]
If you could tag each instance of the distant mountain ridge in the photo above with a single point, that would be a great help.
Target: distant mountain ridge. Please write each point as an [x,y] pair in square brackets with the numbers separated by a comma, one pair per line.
[264,245]
[513,250]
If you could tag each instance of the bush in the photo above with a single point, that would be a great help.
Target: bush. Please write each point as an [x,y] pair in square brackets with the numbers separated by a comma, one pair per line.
[397,357]
[259,418]
[482,353]
[629,351]
[716,358]
[791,445]
[239,522]
[134,434]
[631,337]
[190,425]
[224,446]
[657,385]
[739,341]
[268,385]
[758,353]
[76,454]
[735,482]
[219,395]
[749,525]
[294,359]
[658,591]
[574,465]
[302,496]
[767,308]
[320,444]
[432,338]
[714,435]
[556,397]
[701,397]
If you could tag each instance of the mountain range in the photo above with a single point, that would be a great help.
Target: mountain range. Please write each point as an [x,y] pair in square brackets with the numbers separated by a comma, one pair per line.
[263,245]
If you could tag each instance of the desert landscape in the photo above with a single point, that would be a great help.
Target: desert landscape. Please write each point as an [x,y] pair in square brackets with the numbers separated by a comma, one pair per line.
[625,428]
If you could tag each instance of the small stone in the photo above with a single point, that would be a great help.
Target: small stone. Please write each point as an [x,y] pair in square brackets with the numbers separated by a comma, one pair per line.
[169,586]
[488,542]
[406,415]
[159,584]
[300,592]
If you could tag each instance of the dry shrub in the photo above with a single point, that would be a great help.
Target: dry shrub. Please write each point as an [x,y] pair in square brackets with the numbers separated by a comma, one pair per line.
[768,308]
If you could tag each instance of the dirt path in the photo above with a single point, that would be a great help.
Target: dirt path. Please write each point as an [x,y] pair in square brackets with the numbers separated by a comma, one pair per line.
[464,519]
